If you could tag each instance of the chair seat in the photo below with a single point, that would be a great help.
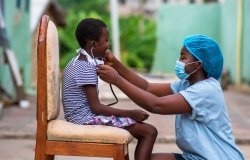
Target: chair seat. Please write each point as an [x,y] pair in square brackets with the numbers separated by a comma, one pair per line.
[59,130]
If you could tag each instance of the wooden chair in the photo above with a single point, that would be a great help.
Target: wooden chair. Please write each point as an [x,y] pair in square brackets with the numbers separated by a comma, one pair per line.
[58,137]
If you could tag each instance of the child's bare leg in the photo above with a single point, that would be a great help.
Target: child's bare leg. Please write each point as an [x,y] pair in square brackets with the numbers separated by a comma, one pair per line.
[161,156]
[146,135]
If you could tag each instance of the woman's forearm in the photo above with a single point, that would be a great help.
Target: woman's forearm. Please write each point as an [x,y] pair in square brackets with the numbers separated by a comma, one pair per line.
[142,98]
[130,75]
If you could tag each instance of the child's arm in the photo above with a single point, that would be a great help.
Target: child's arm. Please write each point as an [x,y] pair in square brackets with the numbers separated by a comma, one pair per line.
[159,89]
[100,109]
[171,104]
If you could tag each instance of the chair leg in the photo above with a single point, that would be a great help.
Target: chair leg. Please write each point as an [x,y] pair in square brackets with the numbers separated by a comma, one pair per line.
[49,157]
[119,152]
[39,153]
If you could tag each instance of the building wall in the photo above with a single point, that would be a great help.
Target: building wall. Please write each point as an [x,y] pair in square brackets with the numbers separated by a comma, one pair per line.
[174,23]
[149,7]
[235,32]
[245,78]
[18,30]
[228,36]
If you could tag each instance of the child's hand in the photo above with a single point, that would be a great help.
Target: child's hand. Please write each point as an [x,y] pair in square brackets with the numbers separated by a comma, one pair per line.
[139,115]
[108,74]
[109,58]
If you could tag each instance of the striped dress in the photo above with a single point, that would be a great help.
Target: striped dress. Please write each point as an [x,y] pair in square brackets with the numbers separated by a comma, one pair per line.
[75,103]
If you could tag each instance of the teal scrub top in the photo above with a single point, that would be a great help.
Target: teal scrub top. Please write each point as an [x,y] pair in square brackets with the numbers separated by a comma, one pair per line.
[206,133]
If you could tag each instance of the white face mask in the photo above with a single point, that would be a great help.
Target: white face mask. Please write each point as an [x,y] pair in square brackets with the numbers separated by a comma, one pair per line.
[90,59]
[180,70]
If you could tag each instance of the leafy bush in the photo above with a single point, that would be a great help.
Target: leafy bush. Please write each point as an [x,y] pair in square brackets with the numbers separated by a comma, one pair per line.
[137,34]
[68,43]
[138,40]
[76,11]
[132,60]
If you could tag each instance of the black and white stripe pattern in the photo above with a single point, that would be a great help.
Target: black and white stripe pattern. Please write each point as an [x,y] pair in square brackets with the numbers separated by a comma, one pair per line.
[76,75]
[75,103]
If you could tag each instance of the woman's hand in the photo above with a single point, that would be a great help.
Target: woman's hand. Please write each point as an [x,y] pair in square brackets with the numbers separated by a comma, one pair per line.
[139,115]
[108,74]
[110,59]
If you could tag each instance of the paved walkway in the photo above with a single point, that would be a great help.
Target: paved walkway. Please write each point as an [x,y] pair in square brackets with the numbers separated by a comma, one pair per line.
[24,150]
[18,123]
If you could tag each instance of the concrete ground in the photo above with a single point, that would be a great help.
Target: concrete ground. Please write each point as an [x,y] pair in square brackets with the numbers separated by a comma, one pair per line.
[23,149]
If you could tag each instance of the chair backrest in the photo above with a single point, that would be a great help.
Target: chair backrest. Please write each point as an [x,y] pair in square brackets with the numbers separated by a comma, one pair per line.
[48,106]
[53,83]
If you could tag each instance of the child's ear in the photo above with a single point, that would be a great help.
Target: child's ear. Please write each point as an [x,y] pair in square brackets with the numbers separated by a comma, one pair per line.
[93,44]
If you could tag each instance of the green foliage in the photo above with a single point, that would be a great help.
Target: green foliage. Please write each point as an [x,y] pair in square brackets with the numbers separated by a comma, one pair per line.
[99,6]
[132,60]
[137,34]
[76,11]
[138,40]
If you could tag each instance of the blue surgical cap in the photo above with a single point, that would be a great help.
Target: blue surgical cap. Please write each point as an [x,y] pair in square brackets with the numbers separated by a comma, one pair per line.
[207,51]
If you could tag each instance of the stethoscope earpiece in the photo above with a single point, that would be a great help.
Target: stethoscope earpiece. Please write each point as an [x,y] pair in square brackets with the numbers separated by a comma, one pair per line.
[93,43]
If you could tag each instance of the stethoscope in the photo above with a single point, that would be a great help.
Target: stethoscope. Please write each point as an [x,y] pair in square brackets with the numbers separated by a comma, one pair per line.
[92,56]
[110,85]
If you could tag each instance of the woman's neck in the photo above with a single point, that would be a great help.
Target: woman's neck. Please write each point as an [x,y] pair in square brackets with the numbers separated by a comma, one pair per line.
[198,76]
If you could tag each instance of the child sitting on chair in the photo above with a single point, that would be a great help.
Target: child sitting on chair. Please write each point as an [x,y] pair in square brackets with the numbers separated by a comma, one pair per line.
[80,90]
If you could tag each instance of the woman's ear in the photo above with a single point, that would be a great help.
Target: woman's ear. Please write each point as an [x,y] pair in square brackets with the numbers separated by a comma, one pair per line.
[200,65]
